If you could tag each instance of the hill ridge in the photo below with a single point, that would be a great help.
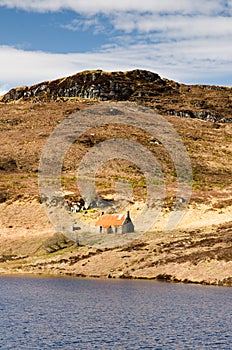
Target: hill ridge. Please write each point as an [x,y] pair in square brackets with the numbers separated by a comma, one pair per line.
[206,102]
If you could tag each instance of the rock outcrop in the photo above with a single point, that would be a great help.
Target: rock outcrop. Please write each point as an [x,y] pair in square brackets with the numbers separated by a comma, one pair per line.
[210,103]
[97,84]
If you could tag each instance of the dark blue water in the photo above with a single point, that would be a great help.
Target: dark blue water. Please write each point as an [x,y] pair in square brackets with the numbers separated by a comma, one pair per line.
[49,313]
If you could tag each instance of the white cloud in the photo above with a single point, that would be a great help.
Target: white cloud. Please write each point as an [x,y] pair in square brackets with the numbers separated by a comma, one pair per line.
[174,26]
[110,6]
[84,24]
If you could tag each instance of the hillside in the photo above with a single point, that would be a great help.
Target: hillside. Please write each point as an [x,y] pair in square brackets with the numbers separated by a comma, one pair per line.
[199,250]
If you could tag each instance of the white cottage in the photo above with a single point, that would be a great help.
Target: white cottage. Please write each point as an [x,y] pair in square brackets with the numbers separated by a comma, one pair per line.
[115,223]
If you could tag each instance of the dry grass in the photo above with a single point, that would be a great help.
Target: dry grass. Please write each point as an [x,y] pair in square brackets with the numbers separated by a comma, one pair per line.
[25,127]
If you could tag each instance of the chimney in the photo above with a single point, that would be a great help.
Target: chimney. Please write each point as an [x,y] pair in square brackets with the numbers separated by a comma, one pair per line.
[128,214]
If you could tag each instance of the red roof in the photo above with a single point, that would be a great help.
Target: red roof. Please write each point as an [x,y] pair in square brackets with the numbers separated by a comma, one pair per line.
[108,220]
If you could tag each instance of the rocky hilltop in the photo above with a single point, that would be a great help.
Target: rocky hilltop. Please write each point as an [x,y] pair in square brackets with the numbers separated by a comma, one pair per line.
[211,103]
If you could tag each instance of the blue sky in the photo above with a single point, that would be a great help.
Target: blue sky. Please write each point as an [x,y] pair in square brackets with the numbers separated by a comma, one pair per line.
[184,40]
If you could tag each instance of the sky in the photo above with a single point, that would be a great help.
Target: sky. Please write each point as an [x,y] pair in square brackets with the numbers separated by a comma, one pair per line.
[189,41]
